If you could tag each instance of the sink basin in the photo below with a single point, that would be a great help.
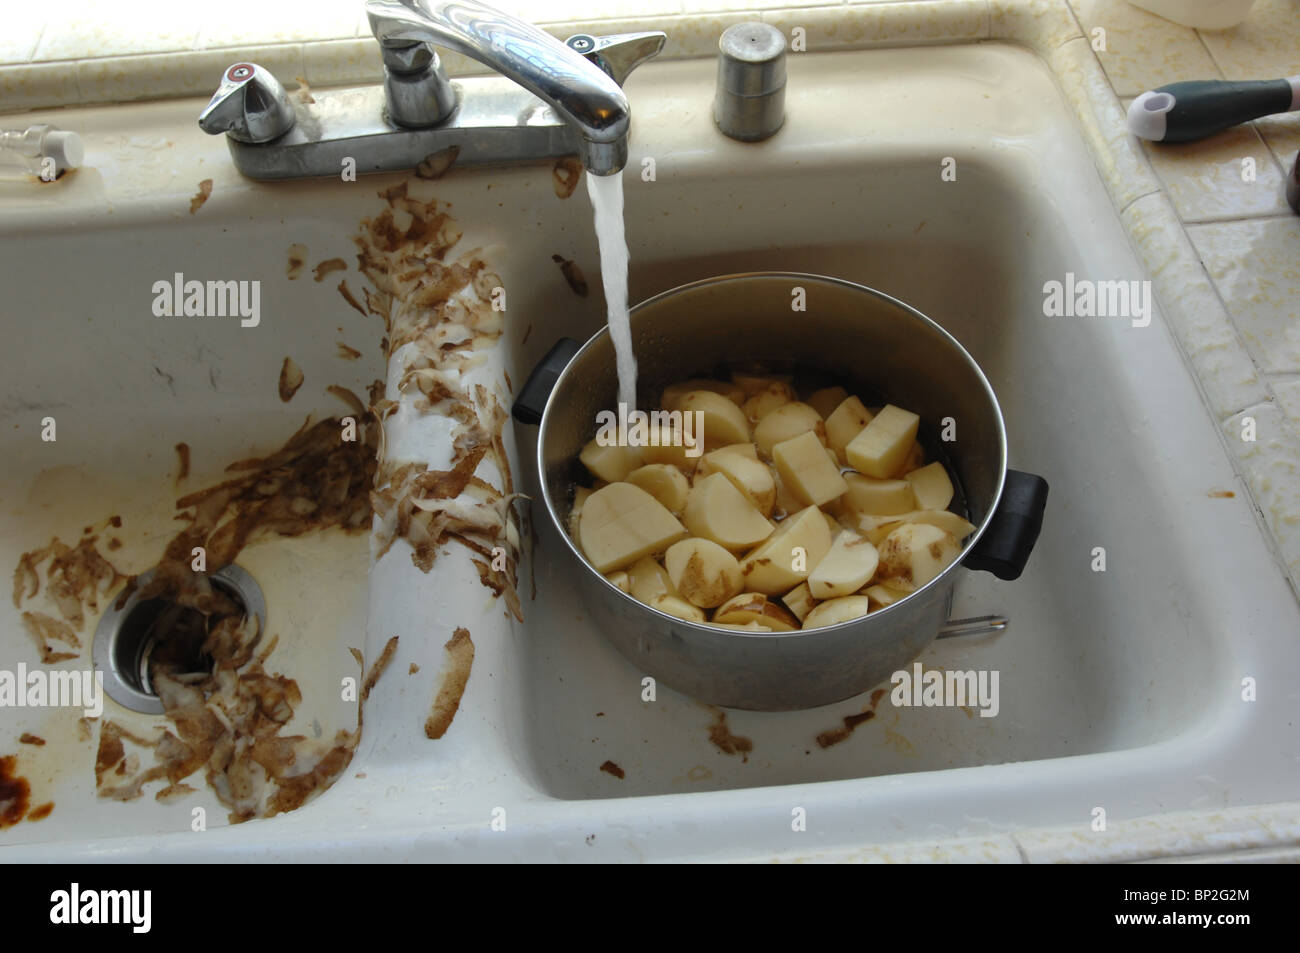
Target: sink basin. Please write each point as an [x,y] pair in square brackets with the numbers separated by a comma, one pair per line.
[1119,688]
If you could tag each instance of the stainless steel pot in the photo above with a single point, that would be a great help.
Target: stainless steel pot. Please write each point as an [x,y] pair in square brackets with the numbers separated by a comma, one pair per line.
[873,345]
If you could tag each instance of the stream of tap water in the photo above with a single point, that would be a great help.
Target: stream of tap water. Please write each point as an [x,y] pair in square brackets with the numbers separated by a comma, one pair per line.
[606,193]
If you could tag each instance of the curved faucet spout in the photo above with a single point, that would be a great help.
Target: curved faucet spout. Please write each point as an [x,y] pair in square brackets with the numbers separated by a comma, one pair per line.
[579,91]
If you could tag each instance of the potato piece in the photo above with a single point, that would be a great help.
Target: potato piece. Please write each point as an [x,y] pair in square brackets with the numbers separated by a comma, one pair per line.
[878,497]
[621,580]
[883,595]
[931,486]
[767,400]
[752,383]
[703,573]
[799,601]
[876,528]
[620,523]
[848,567]
[664,482]
[716,510]
[806,471]
[948,522]
[835,611]
[671,399]
[825,401]
[745,627]
[723,421]
[917,552]
[846,421]
[679,607]
[580,494]
[915,460]
[667,444]
[755,607]
[744,449]
[786,422]
[882,447]
[612,463]
[750,477]
[786,559]
[647,580]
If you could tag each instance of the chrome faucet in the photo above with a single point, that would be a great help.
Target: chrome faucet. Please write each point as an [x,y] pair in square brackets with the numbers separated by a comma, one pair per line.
[551,99]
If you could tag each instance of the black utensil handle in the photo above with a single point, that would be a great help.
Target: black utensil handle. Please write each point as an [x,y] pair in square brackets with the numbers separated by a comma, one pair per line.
[1005,546]
[1204,107]
[537,389]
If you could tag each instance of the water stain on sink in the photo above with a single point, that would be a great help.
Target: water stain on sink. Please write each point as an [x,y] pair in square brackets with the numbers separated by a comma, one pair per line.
[15,796]
[723,739]
[834,736]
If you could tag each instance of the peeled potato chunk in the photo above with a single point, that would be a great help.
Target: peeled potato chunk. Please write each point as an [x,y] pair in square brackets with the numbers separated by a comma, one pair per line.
[799,601]
[679,607]
[716,510]
[883,595]
[844,570]
[673,393]
[931,486]
[751,384]
[666,443]
[917,552]
[762,403]
[664,482]
[882,447]
[783,561]
[750,477]
[703,572]
[744,449]
[745,627]
[806,471]
[620,523]
[835,611]
[845,422]
[723,422]
[788,421]
[878,497]
[825,401]
[612,463]
[621,580]
[755,607]
[580,495]
[948,522]
[647,580]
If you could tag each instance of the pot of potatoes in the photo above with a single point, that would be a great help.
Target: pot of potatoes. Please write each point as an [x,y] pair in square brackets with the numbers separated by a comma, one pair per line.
[780,525]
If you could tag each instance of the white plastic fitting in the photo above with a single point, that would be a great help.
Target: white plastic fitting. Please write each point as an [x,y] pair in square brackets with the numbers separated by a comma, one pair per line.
[45,142]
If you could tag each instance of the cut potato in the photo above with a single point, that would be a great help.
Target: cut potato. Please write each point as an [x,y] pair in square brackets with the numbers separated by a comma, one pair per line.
[825,401]
[703,573]
[799,601]
[679,607]
[666,444]
[673,393]
[621,580]
[756,607]
[915,460]
[917,552]
[883,446]
[931,486]
[744,449]
[723,422]
[716,510]
[750,477]
[782,562]
[883,595]
[786,422]
[612,463]
[806,471]
[878,497]
[580,495]
[745,627]
[848,567]
[620,523]
[846,421]
[664,482]
[768,399]
[835,611]
[752,383]
[647,580]
[948,522]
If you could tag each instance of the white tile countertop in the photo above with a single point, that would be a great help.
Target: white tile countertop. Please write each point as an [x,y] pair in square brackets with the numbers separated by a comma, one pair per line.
[1209,220]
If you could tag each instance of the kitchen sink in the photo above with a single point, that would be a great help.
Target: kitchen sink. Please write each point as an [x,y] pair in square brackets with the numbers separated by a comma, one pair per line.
[1120,689]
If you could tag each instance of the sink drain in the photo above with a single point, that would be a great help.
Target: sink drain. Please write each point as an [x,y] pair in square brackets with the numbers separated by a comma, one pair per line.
[129,639]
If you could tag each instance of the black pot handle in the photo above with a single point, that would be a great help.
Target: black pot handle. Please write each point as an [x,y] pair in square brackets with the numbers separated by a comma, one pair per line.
[537,389]
[1005,546]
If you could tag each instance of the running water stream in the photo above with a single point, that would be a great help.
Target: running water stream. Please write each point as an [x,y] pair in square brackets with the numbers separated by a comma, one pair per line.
[606,193]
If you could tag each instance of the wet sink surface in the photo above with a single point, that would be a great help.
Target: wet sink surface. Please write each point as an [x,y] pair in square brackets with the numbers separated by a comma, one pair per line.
[1118,687]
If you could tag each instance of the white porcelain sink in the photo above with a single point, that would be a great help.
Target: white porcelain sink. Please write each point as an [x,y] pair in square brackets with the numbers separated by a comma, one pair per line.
[1118,689]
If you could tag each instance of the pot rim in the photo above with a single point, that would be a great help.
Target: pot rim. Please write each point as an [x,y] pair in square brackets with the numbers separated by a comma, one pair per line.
[944,578]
